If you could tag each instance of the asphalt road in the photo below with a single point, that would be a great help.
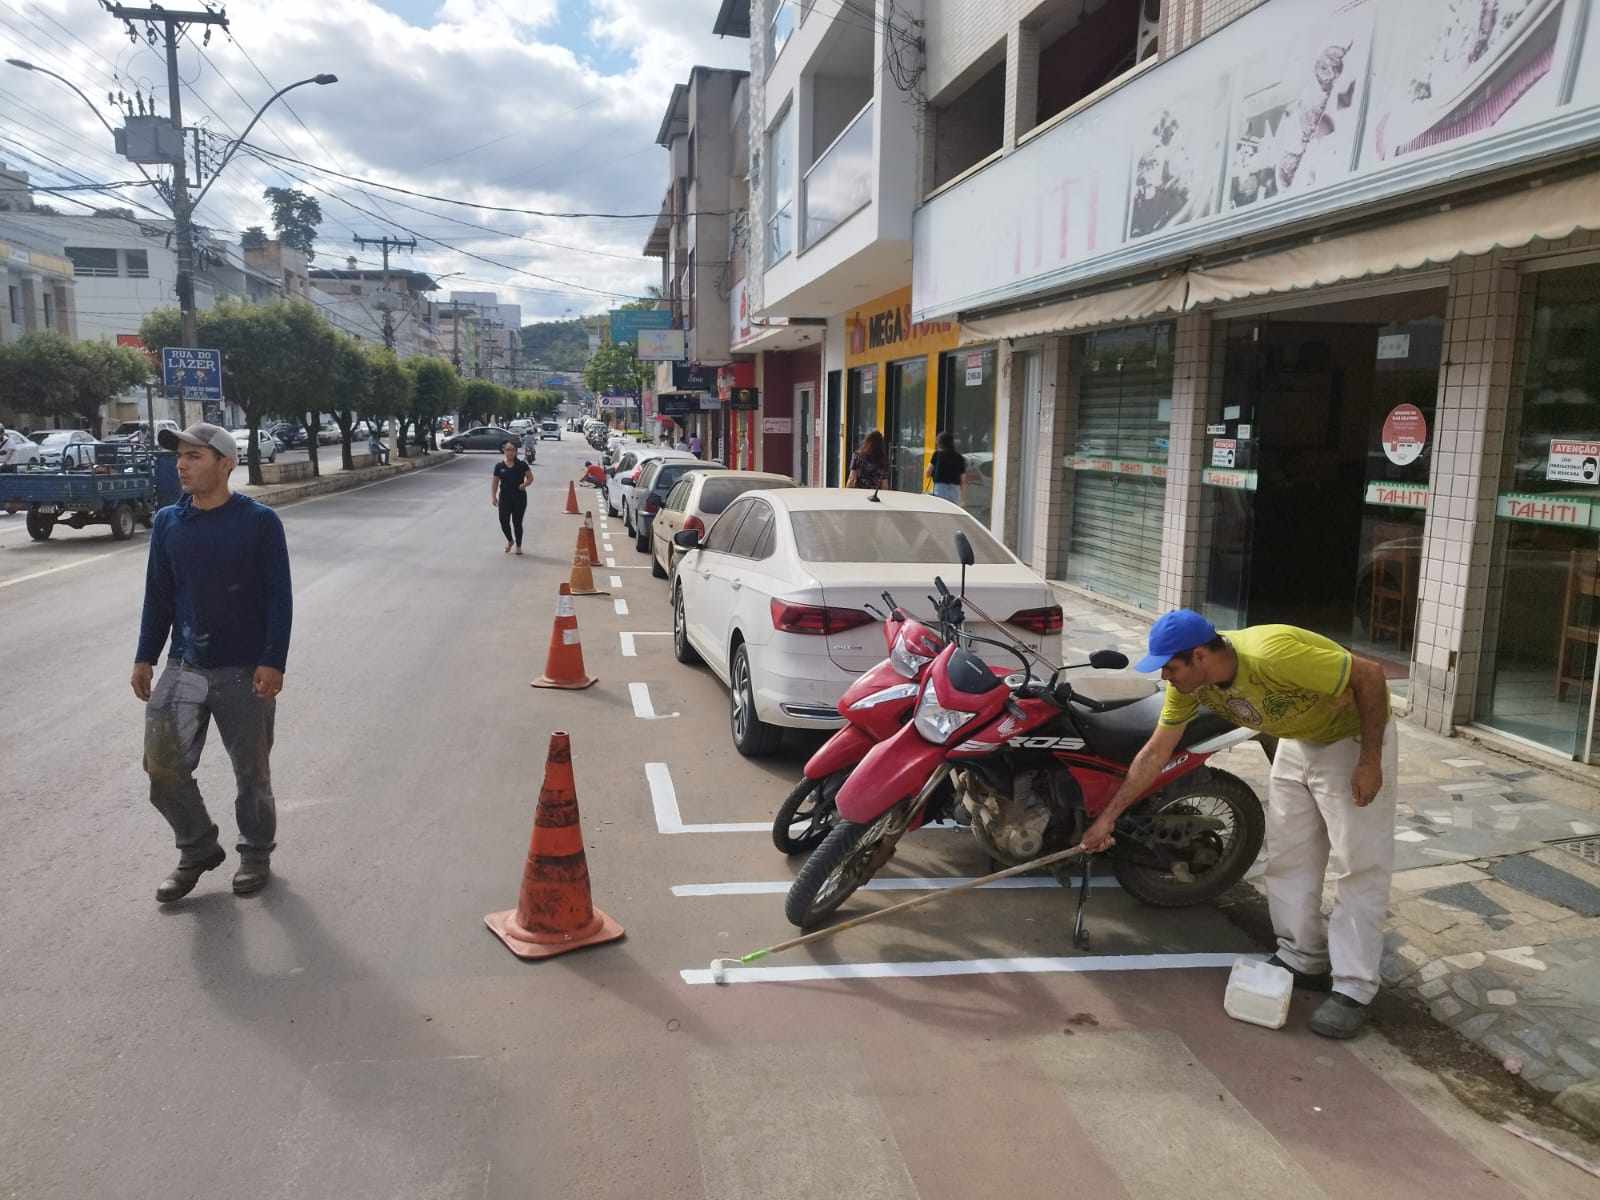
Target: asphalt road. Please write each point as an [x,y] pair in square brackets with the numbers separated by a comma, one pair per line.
[355,1031]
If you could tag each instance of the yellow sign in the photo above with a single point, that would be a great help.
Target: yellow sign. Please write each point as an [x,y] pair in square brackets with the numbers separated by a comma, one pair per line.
[37,259]
[883,330]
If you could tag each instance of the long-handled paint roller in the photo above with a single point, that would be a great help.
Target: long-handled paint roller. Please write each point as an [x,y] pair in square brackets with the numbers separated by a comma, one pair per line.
[719,966]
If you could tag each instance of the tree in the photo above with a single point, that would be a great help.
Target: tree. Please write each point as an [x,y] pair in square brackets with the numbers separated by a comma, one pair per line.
[390,384]
[51,375]
[438,391]
[104,373]
[254,238]
[126,214]
[480,401]
[312,384]
[352,391]
[614,368]
[296,217]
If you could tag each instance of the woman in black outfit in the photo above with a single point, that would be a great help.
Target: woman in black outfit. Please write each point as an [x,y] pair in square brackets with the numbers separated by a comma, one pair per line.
[509,493]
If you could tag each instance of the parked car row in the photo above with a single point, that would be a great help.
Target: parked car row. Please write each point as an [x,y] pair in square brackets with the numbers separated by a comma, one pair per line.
[774,586]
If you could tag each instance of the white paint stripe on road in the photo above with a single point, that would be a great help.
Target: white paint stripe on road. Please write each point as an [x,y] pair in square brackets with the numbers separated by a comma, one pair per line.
[65,567]
[664,799]
[621,606]
[616,581]
[973,966]
[612,563]
[642,708]
[893,883]
[629,650]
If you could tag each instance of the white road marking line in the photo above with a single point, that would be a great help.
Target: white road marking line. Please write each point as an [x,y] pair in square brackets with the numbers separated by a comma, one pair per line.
[616,581]
[973,966]
[65,567]
[629,650]
[664,799]
[894,883]
[642,707]
[612,563]
[621,606]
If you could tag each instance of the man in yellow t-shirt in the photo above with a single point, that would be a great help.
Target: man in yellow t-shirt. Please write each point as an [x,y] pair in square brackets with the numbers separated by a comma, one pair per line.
[1330,799]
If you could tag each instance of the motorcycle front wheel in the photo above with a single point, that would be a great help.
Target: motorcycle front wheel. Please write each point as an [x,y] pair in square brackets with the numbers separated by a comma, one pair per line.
[807,815]
[1212,861]
[849,856]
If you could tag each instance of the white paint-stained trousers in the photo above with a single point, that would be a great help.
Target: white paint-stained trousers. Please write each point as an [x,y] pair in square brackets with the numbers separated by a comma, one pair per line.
[1314,827]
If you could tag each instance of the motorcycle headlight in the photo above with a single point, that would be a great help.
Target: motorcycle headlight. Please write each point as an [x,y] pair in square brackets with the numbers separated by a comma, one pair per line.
[898,691]
[904,661]
[937,723]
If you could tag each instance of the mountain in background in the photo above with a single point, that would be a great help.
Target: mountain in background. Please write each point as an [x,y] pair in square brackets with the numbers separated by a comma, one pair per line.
[558,345]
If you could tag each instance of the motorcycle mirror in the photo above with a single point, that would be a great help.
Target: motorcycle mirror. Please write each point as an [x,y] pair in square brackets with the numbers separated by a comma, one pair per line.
[1108,660]
[964,550]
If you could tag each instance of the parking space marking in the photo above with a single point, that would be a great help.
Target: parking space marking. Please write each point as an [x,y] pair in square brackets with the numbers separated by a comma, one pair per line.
[642,708]
[664,799]
[621,606]
[616,581]
[894,883]
[611,562]
[629,650]
[971,966]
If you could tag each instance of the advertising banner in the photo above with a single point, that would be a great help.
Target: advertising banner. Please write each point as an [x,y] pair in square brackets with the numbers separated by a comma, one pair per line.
[1297,110]
[661,345]
[627,322]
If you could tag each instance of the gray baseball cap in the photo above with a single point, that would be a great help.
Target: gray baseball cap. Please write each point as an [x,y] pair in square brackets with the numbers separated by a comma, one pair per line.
[202,433]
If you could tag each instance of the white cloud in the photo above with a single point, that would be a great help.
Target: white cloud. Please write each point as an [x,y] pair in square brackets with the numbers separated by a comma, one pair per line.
[483,104]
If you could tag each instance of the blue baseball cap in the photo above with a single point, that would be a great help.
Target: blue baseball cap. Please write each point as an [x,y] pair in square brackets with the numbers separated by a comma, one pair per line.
[1173,633]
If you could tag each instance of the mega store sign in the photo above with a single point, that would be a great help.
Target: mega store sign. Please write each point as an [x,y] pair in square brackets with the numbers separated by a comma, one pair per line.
[1299,109]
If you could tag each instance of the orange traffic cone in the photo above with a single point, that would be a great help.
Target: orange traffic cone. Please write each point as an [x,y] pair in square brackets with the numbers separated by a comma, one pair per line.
[583,578]
[587,535]
[572,499]
[563,667]
[554,910]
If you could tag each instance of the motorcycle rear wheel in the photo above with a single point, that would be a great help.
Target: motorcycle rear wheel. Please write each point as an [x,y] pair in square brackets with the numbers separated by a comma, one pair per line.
[849,856]
[1212,793]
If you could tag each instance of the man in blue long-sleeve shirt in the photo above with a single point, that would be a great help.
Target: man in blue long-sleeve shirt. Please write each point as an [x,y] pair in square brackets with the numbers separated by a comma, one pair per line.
[218,582]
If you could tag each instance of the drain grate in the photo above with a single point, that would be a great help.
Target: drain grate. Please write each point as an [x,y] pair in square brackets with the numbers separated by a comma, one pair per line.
[1587,849]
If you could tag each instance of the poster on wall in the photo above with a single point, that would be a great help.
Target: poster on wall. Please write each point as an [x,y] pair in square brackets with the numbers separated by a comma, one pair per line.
[1574,462]
[1297,121]
[1405,434]
[1177,156]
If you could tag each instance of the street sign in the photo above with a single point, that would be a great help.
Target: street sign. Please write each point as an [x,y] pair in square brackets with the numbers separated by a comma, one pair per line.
[191,374]
[661,345]
[627,322]
[693,377]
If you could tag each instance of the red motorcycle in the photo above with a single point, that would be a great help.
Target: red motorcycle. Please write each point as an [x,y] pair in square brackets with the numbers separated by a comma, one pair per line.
[875,706]
[1031,764]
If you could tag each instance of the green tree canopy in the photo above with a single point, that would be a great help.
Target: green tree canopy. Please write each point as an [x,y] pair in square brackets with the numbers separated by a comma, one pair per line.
[52,375]
[614,368]
[296,217]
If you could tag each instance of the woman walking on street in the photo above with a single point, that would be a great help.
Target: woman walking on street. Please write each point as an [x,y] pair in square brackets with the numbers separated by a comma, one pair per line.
[948,469]
[509,493]
[869,467]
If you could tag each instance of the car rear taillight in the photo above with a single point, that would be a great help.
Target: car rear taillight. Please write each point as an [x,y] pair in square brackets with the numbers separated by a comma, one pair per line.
[652,503]
[789,617]
[696,524]
[1037,620]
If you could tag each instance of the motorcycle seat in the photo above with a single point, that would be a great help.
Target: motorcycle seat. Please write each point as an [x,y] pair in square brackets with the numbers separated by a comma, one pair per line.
[1121,733]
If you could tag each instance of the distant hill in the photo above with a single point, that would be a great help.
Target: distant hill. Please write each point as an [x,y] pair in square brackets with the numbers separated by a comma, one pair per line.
[559,345]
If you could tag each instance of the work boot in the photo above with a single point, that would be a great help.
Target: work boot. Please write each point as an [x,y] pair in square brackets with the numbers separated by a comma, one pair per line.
[182,880]
[251,877]
[1339,1016]
[1318,981]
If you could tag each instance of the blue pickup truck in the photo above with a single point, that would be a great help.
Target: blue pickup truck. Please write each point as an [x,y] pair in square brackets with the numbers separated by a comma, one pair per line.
[122,488]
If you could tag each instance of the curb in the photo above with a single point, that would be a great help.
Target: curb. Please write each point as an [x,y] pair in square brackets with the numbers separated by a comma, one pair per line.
[278,495]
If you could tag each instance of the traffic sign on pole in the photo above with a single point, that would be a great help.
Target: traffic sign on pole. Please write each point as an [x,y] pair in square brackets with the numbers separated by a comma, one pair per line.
[191,374]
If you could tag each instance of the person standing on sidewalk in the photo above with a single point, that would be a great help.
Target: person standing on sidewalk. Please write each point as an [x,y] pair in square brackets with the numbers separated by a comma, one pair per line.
[1330,796]
[217,580]
[509,494]
[694,444]
[947,469]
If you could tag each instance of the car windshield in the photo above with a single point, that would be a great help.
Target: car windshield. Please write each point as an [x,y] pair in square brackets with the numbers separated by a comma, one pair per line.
[126,428]
[719,493]
[899,536]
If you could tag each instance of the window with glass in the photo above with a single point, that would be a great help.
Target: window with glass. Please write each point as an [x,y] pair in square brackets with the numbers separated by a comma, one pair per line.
[1118,463]
[14,298]
[49,311]
[1544,595]
[780,187]
[861,417]
[906,423]
[93,262]
[966,412]
[138,263]
[779,30]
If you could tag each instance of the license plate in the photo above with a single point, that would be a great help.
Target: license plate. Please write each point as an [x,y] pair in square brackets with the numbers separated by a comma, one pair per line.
[48,508]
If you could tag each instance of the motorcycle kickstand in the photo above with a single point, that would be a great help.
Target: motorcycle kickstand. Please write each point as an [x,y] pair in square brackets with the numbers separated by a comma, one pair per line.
[1080,935]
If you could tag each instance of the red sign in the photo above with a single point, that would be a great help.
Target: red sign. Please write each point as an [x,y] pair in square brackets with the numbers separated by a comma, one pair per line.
[133,341]
[1405,433]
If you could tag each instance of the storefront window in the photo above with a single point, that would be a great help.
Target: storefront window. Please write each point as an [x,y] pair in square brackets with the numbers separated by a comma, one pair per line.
[966,412]
[906,423]
[862,417]
[1544,603]
[1318,453]
[1118,463]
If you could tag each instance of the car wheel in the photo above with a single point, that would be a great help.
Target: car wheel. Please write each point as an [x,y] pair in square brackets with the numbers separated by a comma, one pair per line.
[752,737]
[611,509]
[681,649]
[642,542]
[627,521]
[657,571]
[122,522]
[40,525]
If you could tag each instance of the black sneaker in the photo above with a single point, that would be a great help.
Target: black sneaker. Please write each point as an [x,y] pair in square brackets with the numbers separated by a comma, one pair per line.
[1339,1016]
[182,880]
[1321,981]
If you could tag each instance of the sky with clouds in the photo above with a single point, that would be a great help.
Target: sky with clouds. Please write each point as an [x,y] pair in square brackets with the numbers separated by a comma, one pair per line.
[544,104]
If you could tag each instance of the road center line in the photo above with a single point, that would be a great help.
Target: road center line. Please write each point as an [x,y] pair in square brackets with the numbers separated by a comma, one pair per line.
[616,581]
[664,799]
[611,562]
[621,606]
[892,883]
[65,567]
[973,966]
[628,648]
[642,708]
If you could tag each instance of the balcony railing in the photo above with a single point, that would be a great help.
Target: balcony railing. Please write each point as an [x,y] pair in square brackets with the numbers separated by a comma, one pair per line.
[839,184]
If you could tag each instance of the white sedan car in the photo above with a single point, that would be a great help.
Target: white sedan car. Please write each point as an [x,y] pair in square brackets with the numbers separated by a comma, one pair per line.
[266,445]
[17,450]
[620,482]
[773,599]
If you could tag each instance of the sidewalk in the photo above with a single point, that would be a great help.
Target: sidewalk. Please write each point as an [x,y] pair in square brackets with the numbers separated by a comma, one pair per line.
[1494,917]
[335,478]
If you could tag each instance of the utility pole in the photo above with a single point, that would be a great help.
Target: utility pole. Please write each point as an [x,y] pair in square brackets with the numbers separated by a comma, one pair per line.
[386,243]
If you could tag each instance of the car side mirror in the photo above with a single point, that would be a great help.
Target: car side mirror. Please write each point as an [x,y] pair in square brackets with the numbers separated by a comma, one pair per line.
[1108,660]
[687,539]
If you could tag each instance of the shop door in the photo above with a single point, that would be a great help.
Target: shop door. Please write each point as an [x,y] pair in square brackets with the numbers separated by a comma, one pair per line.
[804,402]
[830,433]
[966,412]
[906,423]
[862,414]
[1028,452]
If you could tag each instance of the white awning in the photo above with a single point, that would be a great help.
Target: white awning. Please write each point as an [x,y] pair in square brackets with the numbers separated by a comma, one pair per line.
[1553,211]
[1103,308]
